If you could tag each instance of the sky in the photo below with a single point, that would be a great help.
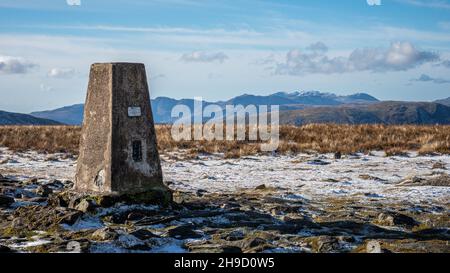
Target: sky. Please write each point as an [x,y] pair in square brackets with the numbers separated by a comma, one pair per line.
[391,49]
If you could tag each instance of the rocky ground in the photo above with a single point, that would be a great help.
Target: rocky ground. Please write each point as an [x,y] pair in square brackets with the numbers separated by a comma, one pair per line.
[302,203]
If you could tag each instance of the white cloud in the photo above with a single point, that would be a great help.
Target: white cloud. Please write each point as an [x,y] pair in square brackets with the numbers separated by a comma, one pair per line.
[374,2]
[73,2]
[15,65]
[204,57]
[61,73]
[400,56]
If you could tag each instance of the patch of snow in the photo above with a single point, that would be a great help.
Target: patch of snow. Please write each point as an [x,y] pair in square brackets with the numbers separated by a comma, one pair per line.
[87,222]
[30,243]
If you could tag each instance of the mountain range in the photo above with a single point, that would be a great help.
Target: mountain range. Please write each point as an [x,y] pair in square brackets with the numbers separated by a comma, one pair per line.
[7,118]
[162,106]
[387,112]
[295,108]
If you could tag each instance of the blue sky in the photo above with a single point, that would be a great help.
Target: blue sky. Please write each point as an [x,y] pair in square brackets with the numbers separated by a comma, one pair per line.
[398,50]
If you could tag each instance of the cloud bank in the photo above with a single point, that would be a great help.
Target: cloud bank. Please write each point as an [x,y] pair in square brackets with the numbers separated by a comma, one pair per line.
[426,78]
[400,56]
[15,65]
[204,57]
[61,73]
[73,2]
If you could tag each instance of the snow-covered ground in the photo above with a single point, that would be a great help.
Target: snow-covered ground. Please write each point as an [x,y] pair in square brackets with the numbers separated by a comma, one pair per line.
[312,176]
[303,175]
[270,192]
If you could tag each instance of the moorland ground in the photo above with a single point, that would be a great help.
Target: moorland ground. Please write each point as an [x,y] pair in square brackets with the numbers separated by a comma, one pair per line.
[321,138]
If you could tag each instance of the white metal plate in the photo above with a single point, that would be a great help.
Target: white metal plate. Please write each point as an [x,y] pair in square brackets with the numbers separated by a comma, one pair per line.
[134,111]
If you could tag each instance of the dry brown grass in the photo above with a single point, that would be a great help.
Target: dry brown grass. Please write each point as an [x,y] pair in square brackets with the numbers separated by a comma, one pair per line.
[41,138]
[321,138]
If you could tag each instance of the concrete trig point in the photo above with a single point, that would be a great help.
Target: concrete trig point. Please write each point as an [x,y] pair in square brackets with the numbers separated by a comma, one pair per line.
[118,150]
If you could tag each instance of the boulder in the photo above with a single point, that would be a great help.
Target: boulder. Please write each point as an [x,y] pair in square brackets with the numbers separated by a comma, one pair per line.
[373,246]
[5,249]
[5,201]
[183,232]
[395,219]
[143,234]
[261,187]
[326,244]
[85,206]
[338,155]
[104,234]
[44,191]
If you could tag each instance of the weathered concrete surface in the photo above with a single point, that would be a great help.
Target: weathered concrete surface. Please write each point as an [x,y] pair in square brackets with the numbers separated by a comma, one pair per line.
[118,150]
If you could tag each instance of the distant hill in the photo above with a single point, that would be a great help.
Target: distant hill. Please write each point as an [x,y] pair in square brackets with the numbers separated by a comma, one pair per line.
[7,118]
[162,106]
[444,101]
[71,115]
[389,112]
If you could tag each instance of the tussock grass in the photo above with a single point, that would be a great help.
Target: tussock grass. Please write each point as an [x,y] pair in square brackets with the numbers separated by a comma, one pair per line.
[322,138]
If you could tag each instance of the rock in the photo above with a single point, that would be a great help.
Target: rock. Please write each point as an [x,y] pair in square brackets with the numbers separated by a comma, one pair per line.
[8,181]
[135,216]
[373,178]
[144,234]
[411,181]
[214,248]
[183,232]
[104,234]
[318,162]
[439,165]
[37,199]
[442,180]
[180,197]
[230,205]
[330,180]
[44,191]
[131,242]
[58,200]
[117,218]
[17,223]
[79,246]
[395,219]
[56,184]
[74,200]
[338,155]
[6,201]
[5,249]
[200,192]
[33,218]
[31,181]
[253,244]
[261,187]
[85,206]
[373,247]
[68,184]
[104,201]
[325,244]
[235,235]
